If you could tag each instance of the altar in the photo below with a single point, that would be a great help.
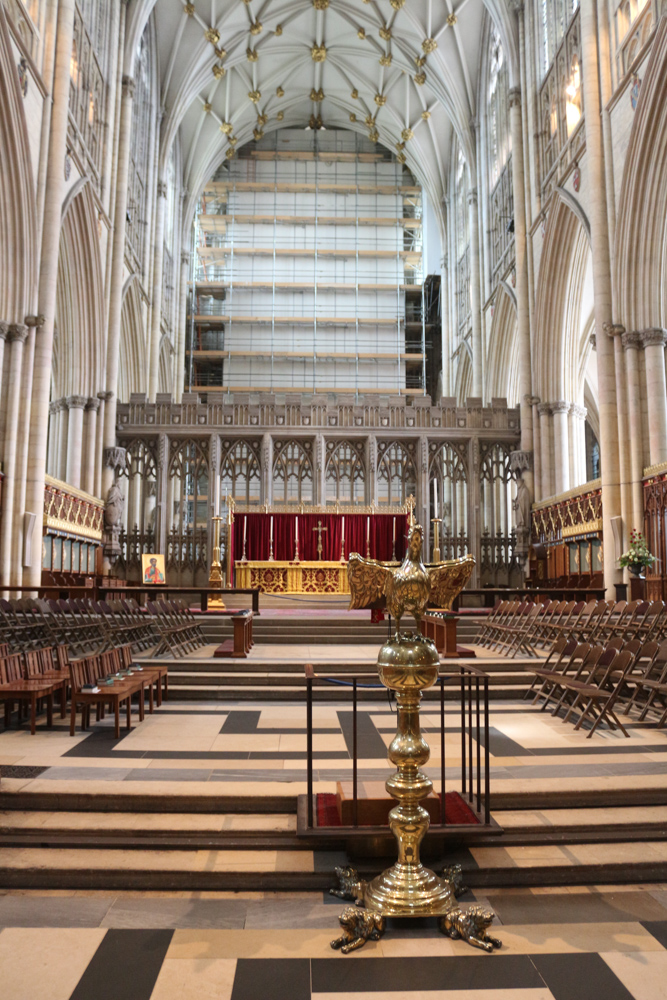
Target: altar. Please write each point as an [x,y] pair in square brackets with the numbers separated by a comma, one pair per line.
[305,549]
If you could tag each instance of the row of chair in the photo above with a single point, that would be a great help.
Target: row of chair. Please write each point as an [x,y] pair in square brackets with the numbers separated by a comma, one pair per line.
[519,626]
[108,678]
[87,626]
[597,681]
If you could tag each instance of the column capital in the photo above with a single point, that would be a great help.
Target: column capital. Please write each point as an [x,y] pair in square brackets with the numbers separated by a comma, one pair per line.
[654,337]
[631,340]
[129,86]
[613,329]
[93,403]
[593,341]
[53,407]
[4,330]
[185,256]
[61,404]
[531,400]
[18,332]
[516,6]
[104,396]
[472,197]
[560,406]
[515,96]
[162,189]
[35,321]
[579,411]
[545,409]
[76,402]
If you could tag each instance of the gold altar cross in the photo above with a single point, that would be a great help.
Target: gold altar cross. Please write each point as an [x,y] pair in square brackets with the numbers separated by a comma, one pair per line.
[319,529]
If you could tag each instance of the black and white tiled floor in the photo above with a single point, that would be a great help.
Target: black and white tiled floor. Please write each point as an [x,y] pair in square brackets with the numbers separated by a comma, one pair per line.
[588,944]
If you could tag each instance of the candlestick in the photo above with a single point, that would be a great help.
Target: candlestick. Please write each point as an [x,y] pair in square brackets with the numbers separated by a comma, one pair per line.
[435,497]
[296,539]
[342,541]
[393,542]
[215,602]
[436,539]
[271,543]
[245,528]
[368,537]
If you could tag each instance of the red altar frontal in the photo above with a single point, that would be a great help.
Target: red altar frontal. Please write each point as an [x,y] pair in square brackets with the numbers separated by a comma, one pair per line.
[305,550]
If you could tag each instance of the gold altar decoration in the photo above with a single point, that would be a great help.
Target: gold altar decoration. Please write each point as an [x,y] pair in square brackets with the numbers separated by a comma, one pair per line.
[293,577]
[407,664]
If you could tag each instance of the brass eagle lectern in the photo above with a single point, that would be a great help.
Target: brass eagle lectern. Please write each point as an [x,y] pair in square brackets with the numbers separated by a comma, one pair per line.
[408,664]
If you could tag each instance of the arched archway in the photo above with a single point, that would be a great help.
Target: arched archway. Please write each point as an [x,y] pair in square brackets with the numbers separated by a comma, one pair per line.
[132,361]
[641,230]
[564,372]
[502,369]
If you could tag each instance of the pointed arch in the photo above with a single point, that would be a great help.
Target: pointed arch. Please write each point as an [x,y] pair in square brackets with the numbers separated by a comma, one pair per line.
[563,305]
[502,368]
[641,232]
[18,225]
[132,361]
[77,365]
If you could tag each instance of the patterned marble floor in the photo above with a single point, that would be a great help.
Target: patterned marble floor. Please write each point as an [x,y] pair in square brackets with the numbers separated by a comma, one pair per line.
[558,944]
[224,744]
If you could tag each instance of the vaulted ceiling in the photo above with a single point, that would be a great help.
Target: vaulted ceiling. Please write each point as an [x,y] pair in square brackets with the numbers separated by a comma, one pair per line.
[404,72]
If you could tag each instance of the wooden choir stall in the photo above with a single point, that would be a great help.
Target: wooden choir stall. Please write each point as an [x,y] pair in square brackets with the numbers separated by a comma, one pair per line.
[305,549]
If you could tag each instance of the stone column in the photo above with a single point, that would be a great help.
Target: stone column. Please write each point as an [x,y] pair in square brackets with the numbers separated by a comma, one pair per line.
[474,536]
[48,276]
[156,310]
[16,337]
[75,405]
[4,327]
[546,441]
[577,445]
[533,402]
[631,343]
[653,342]
[423,511]
[522,287]
[51,445]
[181,333]
[560,410]
[63,424]
[319,484]
[602,289]
[475,300]
[163,516]
[267,469]
[90,453]
[372,468]
[117,266]
[99,445]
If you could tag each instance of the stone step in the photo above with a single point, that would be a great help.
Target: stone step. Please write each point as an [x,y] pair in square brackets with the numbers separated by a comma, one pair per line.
[258,868]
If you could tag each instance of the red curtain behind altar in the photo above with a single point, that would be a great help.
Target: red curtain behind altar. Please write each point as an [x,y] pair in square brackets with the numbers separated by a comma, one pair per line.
[258,534]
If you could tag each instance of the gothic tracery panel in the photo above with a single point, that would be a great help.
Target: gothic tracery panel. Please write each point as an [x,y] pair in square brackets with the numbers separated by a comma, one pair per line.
[292,472]
[449,468]
[240,474]
[396,474]
[345,472]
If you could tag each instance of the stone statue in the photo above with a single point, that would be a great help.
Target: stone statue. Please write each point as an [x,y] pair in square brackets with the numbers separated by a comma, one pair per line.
[113,507]
[409,588]
[522,505]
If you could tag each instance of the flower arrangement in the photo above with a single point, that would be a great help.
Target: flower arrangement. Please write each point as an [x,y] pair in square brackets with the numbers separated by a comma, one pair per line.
[638,556]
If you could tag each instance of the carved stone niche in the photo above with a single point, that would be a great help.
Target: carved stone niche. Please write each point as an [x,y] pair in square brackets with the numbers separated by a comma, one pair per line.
[114,458]
[521,461]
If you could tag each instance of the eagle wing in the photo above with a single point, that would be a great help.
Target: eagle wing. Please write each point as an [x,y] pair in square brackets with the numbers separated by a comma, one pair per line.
[368,580]
[448,580]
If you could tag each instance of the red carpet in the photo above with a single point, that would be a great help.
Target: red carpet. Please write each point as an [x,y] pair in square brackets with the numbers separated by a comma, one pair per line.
[457,810]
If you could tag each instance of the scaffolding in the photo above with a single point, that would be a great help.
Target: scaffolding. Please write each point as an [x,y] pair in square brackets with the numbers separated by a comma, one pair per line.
[306,271]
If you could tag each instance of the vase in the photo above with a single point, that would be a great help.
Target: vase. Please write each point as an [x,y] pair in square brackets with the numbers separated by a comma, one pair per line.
[636,568]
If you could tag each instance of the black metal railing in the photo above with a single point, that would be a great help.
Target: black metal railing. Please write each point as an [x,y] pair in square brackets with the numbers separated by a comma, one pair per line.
[473,687]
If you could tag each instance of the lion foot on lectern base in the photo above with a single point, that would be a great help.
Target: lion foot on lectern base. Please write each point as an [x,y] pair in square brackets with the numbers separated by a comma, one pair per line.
[349,885]
[470,925]
[359,926]
[454,875]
